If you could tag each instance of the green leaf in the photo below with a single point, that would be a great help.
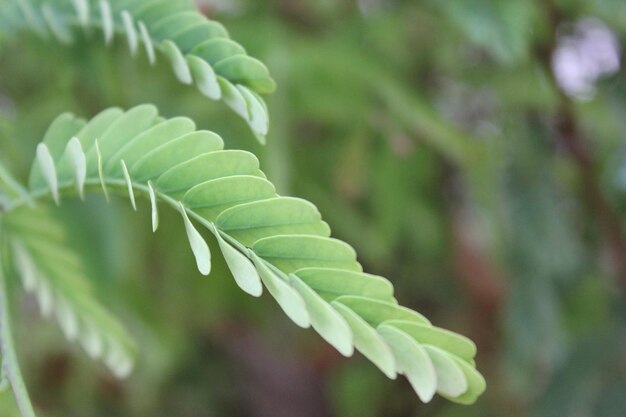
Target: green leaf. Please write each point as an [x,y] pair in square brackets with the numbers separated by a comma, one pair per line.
[131,32]
[177,59]
[337,282]
[211,198]
[205,77]
[325,320]
[476,383]
[129,184]
[156,160]
[100,171]
[48,170]
[376,312]
[86,137]
[120,132]
[258,116]
[216,50]
[246,70]
[152,11]
[198,245]
[106,20]
[206,167]
[294,252]
[288,298]
[147,42]
[412,360]
[233,98]
[96,127]
[250,222]
[187,38]
[368,341]
[82,11]
[62,129]
[450,377]
[77,158]
[451,342]
[144,143]
[240,266]
[167,26]
[154,207]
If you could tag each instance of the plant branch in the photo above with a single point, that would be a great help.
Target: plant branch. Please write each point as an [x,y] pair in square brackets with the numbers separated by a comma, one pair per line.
[10,367]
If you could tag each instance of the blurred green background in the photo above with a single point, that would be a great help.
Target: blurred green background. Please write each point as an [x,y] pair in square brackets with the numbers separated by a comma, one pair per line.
[473,151]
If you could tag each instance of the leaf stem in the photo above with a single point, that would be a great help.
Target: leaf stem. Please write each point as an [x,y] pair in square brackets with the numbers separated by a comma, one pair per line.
[10,367]
[121,186]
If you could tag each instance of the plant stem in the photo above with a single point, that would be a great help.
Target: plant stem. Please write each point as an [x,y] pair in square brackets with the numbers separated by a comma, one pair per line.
[120,186]
[10,366]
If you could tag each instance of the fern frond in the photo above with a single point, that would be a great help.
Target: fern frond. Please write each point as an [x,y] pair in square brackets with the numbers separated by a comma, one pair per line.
[199,50]
[54,274]
[267,240]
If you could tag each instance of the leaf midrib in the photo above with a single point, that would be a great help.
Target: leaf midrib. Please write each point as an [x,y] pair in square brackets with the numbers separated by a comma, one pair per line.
[120,186]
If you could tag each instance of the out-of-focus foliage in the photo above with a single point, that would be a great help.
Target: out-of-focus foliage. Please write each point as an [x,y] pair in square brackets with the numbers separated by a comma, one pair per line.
[199,50]
[435,139]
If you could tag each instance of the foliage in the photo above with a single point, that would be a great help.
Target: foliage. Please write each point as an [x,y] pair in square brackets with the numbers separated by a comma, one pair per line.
[200,50]
[434,138]
[280,241]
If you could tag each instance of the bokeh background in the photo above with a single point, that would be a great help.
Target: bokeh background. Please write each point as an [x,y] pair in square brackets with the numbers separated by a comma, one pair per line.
[473,151]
